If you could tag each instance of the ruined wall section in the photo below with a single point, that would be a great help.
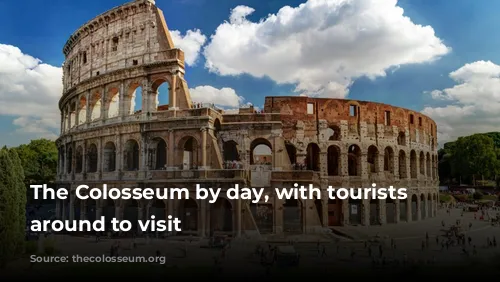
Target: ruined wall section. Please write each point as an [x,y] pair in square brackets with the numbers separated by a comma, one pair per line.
[356,120]
[129,35]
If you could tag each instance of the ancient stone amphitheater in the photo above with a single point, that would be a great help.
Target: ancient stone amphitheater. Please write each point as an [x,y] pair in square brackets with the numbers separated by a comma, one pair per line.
[115,132]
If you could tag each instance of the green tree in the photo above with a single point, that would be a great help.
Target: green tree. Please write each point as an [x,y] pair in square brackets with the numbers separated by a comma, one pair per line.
[9,209]
[39,160]
[474,156]
[20,189]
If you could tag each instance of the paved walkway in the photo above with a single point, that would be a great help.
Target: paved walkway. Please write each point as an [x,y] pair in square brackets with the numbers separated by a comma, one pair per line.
[408,237]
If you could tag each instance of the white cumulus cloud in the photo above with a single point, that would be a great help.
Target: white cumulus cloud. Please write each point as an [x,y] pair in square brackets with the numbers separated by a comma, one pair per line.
[223,97]
[322,45]
[29,92]
[190,43]
[474,102]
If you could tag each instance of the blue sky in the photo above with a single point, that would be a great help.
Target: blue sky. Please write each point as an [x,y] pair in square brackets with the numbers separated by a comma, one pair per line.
[456,83]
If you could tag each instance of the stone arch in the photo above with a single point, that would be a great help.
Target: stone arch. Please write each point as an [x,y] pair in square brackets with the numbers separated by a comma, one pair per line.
[292,216]
[334,133]
[158,208]
[221,215]
[90,209]
[69,159]
[312,157]
[230,151]
[72,114]
[402,138]
[414,207]
[354,160]
[79,160]
[82,110]
[131,213]
[188,152]
[389,159]
[318,204]
[92,158]
[355,211]
[263,214]
[261,151]
[189,214]
[133,98]
[375,212]
[161,88]
[422,163]
[157,153]
[429,205]
[372,159]
[402,165]
[292,152]
[95,105]
[413,164]
[77,208]
[335,217]
[113,102]
[108,210]
[428,171]
[131,155]
[422,206]
[217,127]
[390,211]
[434,204]
[333,157]
[404,205]
[109,157]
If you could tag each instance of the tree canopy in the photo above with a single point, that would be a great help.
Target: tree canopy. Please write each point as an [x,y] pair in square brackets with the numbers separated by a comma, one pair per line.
[470,158]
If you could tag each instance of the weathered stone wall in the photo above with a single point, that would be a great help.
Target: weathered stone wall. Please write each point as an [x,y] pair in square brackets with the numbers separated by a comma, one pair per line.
[129,35]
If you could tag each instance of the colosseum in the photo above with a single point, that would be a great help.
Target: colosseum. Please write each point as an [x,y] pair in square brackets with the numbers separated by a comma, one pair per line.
[114,130]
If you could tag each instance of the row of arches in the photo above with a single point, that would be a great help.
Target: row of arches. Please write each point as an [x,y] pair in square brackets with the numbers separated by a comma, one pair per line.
[262,153]
[90,160]
[374,212]
[421,163]
[110,103]
[221,212]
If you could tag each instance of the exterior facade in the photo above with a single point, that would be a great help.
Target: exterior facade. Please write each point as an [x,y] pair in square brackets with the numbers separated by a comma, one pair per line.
[120,59]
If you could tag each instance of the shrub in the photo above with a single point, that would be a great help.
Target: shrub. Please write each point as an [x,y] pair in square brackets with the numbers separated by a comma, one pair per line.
[31,247]
[48,247]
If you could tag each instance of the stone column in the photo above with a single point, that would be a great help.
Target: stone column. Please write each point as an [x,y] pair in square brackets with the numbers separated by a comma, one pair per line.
[69,115]
[103,103]
[323,160]
[397,212]
[365,216]
[98,212]
[88,114]
[72,206]
[345,212]
[121,107]
[83,209]
[204,148]
[140,216]
[395,162]
[172,95]
[203,218]
[409,204]
[171,150]
[238,217]
[62,121]
[382,212]
[65,162]
[344,164]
